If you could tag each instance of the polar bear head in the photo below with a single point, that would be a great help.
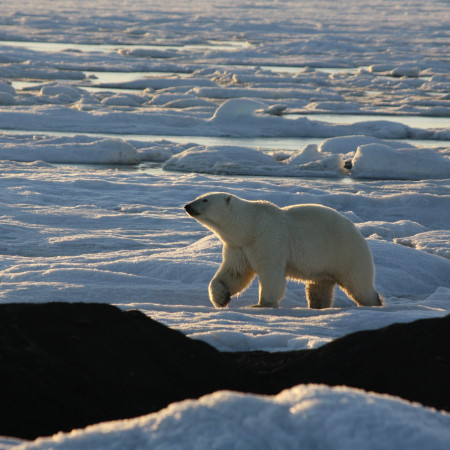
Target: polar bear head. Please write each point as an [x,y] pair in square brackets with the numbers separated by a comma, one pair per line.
[212,210]
[222,213]
[234,220]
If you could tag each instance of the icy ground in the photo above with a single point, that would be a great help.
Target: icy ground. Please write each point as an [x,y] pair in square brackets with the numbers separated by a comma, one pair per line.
[268,100]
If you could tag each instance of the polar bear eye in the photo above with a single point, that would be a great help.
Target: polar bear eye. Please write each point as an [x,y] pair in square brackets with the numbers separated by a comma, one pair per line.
[205,200]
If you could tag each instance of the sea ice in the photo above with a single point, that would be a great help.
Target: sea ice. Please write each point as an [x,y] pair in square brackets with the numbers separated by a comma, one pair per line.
[383,161]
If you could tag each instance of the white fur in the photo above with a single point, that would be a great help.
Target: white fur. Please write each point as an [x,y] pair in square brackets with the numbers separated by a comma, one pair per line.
[310,243]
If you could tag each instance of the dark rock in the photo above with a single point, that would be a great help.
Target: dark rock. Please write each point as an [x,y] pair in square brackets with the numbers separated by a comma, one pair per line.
[65,365]
[410,360]
[348,164]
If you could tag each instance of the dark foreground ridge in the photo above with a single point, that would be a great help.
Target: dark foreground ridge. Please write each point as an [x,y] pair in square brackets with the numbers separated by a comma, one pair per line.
[67,365]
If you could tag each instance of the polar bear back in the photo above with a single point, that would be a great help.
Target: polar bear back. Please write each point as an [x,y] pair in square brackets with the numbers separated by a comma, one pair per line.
[322,242]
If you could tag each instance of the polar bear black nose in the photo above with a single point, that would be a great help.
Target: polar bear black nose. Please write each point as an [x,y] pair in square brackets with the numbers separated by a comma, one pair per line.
[190,210]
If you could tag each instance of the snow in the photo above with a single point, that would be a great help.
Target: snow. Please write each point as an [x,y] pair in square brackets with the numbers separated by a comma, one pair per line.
[191,98]
[302,417]
[108,235]
[79,149]
[382,161]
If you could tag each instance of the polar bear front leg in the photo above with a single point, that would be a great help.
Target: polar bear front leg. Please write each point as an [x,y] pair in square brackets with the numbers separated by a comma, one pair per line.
[271,289]
[320,294]
[233,276]
[219,293]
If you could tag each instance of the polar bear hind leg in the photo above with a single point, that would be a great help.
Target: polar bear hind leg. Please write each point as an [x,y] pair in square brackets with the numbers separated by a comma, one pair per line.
[363,296]
[320,294]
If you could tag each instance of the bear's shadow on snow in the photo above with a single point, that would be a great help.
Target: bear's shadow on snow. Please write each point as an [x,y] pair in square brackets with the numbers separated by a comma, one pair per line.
[68,365]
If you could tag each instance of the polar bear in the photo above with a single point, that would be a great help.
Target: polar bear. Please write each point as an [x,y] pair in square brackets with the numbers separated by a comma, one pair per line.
[310,243]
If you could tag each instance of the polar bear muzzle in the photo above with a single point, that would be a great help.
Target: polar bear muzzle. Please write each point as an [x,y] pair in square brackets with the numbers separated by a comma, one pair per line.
[190,209]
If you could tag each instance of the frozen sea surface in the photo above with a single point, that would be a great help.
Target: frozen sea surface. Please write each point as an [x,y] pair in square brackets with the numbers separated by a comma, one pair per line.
[128,112]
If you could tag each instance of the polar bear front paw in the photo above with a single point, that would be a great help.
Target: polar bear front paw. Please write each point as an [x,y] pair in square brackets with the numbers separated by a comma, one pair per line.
[219,294]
